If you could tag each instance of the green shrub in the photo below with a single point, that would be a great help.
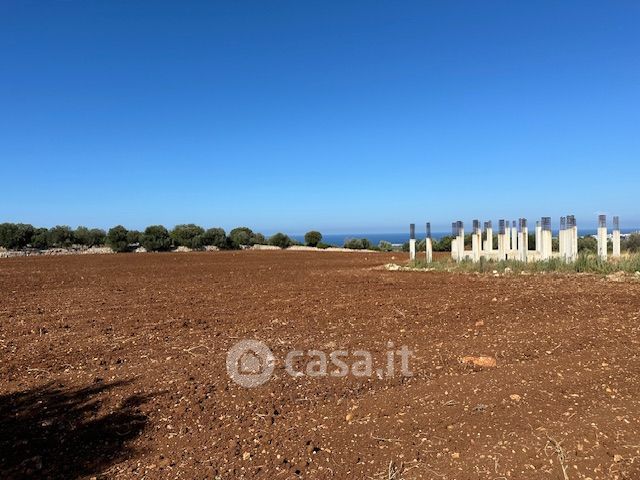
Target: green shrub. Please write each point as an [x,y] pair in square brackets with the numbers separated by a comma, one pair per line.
[258,239]
[385,246]
[15,235]
[89,237]
[189,235]
[117,239]
[97,236]
[240,236]
[443,245]
[632,243]
[134,237]
[323,245]
[60,236]
[588,244]
[156,238]
[280,240]
[40,238]
[353,243]
[357,243]
[81,236]
[312,238]
[243,236]
[215,237]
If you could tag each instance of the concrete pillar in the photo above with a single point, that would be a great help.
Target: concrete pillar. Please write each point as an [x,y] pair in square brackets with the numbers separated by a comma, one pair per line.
[502,246]
[412,241]
[460,239]
[488,228]
[538,237]
[476,240]
[571,240]
[574,247]
[454,241]
[428,244]
[616,237]
[562,243]
[568,239]
[514,237]
[546,239]
[602,237]
[523,242]
[507,237]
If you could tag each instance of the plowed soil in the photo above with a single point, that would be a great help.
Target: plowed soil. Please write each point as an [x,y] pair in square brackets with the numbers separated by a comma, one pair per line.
[114,367]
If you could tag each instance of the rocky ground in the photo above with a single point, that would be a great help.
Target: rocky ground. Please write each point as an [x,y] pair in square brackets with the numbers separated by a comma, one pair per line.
[114,366]
[76,250]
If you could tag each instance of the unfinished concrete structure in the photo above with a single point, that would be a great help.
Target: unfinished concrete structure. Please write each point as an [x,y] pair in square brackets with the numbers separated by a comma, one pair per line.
[476,241]
[602,237]
[572,238]
[412,241]
[615,238]
[523,240]
[488,229]
[428,244]
[502,240]
[546,239]
[454,240]
[509,236]
[562,245]
[460,240]
[568,240]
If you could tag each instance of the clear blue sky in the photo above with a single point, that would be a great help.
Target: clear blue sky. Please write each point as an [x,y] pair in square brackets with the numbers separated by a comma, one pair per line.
[343,116]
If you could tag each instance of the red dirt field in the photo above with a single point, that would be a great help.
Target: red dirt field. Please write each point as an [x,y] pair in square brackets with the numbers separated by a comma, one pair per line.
[113,366]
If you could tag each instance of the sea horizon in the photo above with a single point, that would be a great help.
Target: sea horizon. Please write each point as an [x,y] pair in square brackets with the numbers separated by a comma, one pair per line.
[398,238]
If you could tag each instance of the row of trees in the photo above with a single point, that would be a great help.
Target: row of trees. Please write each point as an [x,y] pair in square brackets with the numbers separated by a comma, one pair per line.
[15,236]
[19,235]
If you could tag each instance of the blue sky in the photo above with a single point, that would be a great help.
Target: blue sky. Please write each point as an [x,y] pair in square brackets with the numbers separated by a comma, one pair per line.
[341,116]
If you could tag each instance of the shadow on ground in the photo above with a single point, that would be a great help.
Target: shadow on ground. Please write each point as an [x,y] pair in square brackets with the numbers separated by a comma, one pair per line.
[56,432]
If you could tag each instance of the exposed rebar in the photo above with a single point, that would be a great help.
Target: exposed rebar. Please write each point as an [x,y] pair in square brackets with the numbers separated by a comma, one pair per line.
[522,224]
[602,221]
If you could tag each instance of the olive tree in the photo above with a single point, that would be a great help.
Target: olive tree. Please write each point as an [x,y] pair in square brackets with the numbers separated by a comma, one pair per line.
[312,238]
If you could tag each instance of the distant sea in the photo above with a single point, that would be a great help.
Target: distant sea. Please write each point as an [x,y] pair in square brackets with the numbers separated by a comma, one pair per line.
[399,238]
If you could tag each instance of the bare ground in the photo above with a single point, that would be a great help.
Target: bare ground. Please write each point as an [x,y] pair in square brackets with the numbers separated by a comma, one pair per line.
[114,366]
